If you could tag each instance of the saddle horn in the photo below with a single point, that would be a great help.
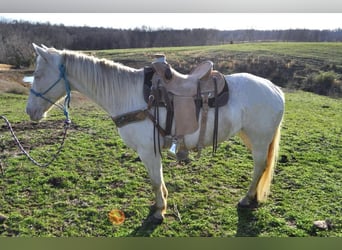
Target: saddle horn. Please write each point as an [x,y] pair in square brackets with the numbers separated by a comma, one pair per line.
[163,66]
[160,58]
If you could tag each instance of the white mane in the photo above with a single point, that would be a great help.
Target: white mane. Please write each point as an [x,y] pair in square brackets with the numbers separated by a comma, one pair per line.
[106,82]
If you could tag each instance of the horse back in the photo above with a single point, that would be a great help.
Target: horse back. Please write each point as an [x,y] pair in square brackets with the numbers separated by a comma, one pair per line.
[248,91]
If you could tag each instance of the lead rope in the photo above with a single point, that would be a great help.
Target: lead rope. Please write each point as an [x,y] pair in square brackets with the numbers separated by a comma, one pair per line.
[62,75]
[16,140]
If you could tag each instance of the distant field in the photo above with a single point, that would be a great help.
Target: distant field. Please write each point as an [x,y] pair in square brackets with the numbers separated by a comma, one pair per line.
[96,172]
[314,67]
[291,65]
[332,51]
[328,53]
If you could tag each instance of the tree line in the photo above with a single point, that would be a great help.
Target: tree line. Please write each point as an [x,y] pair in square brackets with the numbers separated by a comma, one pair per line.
[16,38]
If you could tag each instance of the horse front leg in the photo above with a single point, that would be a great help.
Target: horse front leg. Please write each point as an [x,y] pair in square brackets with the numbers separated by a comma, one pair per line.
[155,170]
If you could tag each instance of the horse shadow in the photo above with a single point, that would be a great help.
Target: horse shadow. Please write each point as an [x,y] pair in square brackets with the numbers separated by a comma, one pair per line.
[148,225]
[247,225]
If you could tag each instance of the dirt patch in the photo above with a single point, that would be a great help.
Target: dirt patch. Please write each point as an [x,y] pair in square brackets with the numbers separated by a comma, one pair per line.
[54,125]
[49,132]
[20,129]
[5,66]
[11,80]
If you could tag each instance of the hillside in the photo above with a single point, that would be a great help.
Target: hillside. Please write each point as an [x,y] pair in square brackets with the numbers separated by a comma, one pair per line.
[314,67]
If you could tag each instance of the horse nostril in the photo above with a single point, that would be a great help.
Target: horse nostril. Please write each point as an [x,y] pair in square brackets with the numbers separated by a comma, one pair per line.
[29,111]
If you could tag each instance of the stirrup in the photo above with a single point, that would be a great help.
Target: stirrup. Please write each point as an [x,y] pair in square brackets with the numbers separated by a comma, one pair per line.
[178,150]
[172,153]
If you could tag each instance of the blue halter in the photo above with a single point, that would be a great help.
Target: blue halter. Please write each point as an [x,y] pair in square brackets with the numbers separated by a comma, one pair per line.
[66,105]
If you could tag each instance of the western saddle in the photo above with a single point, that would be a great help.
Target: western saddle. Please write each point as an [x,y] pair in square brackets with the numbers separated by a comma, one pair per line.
[184,96]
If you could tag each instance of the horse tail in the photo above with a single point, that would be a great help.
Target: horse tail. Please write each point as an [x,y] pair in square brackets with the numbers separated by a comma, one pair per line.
[264,184]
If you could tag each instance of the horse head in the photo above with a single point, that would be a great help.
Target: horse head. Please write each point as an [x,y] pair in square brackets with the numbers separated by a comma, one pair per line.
[49,84]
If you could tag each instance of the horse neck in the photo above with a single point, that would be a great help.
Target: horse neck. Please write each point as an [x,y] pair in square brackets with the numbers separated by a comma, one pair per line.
[114,87]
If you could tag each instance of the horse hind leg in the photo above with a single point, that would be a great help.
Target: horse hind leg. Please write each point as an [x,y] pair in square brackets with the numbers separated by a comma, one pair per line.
[264,156]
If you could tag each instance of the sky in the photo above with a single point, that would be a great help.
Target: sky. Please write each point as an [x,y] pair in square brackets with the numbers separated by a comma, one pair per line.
[221,21]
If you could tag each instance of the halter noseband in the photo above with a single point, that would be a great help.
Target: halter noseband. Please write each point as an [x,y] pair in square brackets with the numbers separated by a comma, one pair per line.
[64,107]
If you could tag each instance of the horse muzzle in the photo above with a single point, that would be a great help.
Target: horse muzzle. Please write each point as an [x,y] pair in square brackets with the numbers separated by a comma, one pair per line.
[35,114]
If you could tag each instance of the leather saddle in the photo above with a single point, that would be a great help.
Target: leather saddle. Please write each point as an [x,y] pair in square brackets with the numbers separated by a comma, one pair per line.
[184,94]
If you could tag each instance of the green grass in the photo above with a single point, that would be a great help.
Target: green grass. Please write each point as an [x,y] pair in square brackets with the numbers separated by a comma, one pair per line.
[97,173]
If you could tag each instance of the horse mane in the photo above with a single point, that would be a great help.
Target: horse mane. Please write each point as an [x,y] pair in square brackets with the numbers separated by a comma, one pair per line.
[109,83]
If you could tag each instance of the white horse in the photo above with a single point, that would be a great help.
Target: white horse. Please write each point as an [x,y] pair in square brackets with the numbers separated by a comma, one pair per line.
[254,111]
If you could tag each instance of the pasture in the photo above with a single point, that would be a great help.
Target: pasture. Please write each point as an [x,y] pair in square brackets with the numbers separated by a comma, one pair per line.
[96,172]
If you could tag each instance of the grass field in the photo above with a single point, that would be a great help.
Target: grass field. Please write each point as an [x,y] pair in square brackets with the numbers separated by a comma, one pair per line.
[96,172]
[313,54]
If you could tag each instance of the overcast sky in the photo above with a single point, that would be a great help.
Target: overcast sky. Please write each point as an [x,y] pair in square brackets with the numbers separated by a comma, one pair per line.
[222,21]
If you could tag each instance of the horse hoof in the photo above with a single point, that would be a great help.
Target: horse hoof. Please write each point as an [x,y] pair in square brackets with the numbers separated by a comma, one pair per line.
[248,204]
[155,221]
[155,216]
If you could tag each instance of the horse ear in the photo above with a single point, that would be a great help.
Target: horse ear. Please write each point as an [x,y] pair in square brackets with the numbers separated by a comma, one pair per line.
[47,48]
[41,51]
[43,46]
[35,46]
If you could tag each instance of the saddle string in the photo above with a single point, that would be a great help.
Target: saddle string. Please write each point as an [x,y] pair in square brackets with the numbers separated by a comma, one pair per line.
[216,117]
[203,126]
[156,96]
